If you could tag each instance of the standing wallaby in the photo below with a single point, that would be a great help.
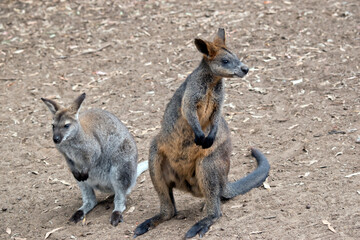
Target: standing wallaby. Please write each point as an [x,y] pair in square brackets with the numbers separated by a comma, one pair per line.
[100,152]
[192,150]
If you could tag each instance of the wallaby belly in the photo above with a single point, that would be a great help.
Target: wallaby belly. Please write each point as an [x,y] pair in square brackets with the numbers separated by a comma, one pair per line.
[181,156]
[99,182]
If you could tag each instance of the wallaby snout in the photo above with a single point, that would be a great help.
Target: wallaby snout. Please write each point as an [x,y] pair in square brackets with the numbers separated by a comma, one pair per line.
[242,70]
[57,139]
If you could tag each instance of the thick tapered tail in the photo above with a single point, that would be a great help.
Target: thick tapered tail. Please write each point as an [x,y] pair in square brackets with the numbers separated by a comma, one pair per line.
[142,167]
[253,180]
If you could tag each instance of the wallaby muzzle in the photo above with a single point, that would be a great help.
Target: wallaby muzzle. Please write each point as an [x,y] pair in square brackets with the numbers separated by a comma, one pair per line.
[241,70]
[57,139]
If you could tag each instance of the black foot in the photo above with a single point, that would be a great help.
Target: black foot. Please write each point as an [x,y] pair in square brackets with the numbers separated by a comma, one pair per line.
[116,217]
[78,215]
[142,228]
[200,228]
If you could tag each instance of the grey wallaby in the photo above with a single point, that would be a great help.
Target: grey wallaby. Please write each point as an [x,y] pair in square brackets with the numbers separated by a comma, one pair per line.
[100,152]
[192,151]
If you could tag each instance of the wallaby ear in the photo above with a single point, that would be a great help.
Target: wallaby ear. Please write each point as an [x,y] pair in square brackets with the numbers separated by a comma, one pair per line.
[51,104]
[201,46]
[220,37]
[75,106]
[205,47]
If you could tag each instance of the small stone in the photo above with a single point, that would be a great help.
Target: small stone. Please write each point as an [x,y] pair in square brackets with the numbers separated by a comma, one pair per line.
[358,140]
[308,206]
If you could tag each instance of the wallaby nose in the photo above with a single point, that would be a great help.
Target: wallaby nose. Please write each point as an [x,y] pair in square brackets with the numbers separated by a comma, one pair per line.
[244,69]
[56,139]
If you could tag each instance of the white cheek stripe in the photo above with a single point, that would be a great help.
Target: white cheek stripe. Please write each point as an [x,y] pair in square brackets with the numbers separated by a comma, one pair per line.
[65,136]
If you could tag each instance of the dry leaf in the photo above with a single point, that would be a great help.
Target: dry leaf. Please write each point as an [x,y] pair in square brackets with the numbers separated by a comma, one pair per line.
[329,226]
[354,174]
[55,180]
[266,185]
[295,82]
[101,73]
[131,209]
[65,183]
[52,231]
[8,231]
[293,126]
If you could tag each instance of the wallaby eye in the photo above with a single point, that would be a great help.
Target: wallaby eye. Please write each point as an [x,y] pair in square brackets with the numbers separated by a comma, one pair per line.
[225,61]
[67,125]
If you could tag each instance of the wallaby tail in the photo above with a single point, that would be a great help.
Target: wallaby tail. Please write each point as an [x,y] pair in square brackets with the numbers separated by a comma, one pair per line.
[142,167]
[253,180]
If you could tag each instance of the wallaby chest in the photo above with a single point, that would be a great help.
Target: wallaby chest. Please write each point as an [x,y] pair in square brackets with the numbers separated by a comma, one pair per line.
[205,108]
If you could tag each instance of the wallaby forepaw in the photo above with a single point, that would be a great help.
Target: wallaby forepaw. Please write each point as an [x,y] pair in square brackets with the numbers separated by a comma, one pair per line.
[208,142]
[78,215]
[116,217]
[80,176]
[199,139]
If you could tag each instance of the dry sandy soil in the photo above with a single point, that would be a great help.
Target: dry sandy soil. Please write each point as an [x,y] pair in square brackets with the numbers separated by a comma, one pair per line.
[299,104]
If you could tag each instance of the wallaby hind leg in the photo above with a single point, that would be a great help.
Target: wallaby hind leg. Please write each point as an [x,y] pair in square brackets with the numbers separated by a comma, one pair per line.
[209,181]
[89,202]
[119,203]
[165,193]
[122,179]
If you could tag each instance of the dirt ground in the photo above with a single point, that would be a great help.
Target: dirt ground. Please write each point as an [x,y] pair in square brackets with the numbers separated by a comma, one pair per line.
[299,104]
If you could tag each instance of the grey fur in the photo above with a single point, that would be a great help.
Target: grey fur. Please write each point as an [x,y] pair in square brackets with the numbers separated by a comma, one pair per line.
[100,152]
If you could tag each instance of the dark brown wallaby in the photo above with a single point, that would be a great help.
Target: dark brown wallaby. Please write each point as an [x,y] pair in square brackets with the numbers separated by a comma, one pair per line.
[192,150]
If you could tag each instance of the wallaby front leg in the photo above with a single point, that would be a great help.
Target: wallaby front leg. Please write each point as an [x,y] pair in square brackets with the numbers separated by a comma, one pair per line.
[189,111]
[215,117]
[89,202]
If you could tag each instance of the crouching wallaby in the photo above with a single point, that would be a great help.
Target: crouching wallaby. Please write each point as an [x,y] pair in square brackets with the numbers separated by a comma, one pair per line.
[192,150]
[100,152]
